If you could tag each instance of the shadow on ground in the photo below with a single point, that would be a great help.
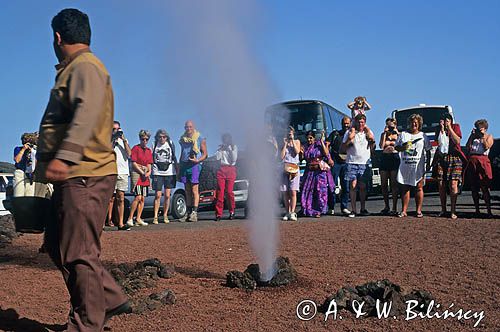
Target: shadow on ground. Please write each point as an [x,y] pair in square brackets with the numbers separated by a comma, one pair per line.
[10,321]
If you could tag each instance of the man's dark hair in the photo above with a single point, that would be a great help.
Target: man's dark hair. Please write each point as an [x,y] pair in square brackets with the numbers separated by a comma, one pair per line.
[360,117]
[117,122]
[73,26]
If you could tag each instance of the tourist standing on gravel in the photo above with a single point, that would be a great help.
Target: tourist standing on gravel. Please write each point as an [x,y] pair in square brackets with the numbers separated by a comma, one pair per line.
[448,162]
[227,153]
[478,170]
[141,158]
[76,155]
[389,165]
[317,177]
[414,163]
[122,152]
[193,152]
[334,143]
[164,172]
[358,143]
[290,178]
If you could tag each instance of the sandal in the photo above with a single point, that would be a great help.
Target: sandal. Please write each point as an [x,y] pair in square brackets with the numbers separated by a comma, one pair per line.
[454,216]
[420,215]
[402,214]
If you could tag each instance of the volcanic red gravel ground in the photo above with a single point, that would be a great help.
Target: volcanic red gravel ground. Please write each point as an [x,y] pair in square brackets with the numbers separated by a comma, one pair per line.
[457,261]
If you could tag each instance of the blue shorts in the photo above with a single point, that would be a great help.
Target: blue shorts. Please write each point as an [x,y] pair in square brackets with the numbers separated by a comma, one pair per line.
[357,172]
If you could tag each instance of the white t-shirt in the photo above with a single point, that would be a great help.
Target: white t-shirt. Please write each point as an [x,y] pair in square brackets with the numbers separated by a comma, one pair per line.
[227,156]
[121,161]
[358,152]
[443,142]
[161,154]
[412,165]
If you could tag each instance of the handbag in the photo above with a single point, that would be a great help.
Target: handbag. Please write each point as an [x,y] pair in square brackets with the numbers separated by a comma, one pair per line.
[291,170]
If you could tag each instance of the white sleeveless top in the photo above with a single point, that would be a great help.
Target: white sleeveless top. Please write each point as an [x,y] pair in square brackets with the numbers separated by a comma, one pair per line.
[477,147]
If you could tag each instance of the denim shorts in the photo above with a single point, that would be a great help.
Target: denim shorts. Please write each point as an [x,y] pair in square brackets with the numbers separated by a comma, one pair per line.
[357,172]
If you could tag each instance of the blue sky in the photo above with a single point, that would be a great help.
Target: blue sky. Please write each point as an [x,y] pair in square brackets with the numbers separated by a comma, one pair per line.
[396,53]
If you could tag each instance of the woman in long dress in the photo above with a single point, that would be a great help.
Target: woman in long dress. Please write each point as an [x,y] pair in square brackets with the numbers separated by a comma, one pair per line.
[317,179]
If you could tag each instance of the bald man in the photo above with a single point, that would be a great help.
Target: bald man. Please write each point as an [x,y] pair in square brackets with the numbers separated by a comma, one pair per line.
[193,152]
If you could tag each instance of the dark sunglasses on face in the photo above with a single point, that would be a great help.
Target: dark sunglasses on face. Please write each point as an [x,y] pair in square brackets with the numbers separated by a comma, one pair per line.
[144,139]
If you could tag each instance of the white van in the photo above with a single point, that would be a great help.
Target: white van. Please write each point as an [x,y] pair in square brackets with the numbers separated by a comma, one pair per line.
[5,181]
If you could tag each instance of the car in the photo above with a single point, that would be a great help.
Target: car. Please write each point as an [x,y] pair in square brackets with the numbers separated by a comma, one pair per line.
[240,190]
[178,206]
[6,191]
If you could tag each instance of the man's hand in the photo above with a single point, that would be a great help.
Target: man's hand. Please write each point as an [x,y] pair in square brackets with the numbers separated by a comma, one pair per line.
[57,171]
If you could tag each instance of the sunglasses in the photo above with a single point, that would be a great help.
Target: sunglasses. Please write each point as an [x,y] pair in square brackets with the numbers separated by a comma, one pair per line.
[162,136]
[144,139]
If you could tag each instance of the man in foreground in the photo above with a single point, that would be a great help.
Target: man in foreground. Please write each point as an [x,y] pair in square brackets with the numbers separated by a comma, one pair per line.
[75,154]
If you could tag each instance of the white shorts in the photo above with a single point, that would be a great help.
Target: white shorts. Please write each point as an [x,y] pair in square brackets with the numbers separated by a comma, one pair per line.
[122,182]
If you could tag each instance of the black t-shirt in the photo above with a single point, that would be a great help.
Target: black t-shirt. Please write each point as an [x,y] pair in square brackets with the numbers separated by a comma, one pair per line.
[335,140]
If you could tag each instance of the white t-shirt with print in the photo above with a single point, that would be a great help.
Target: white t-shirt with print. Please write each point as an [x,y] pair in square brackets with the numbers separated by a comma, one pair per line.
[163,153]
[412,165]
[358,152]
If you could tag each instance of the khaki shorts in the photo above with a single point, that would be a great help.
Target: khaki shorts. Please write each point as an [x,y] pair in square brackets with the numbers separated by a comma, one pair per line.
[122,182]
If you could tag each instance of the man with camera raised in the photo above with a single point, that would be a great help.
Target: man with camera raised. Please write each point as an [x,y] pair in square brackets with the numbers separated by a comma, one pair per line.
[122,151]
[24,157]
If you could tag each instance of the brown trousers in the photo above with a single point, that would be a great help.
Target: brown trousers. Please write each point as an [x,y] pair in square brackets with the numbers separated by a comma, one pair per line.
[73,242]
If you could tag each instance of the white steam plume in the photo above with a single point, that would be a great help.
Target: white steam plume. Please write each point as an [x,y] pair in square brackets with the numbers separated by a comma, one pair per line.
[213,69]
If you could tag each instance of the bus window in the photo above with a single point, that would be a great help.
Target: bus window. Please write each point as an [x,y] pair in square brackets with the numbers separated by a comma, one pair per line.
[430,115]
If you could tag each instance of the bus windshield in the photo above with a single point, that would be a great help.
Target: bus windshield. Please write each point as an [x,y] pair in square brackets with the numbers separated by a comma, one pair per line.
[431,116]
[302,117]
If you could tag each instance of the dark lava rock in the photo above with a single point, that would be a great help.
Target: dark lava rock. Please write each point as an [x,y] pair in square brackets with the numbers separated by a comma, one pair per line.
[165,297]
[7,230]
[251,277]
[237,279]
[141,275]
[382,290]
[153,302]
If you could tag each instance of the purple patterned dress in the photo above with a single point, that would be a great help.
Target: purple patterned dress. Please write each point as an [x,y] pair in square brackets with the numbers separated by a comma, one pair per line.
[316,183]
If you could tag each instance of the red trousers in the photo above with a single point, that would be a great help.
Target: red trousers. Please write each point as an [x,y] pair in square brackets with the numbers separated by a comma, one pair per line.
[226,175]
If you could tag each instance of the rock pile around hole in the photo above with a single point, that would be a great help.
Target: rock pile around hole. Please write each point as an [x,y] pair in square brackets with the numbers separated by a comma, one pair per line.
[383,290]
[145,274]
[250,279]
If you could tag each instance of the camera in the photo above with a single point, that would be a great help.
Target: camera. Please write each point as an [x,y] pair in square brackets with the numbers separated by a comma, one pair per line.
[118,134]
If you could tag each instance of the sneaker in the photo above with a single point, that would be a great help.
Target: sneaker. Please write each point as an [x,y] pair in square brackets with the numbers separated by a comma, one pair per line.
[293,216]
[130,223]
[351,214]
[193,217]
[125,227]
[217,218]
[364,213]
[141,222]
[231,215]
[165,220]
[155,221]
[331,212]
[285,217]
[346,212]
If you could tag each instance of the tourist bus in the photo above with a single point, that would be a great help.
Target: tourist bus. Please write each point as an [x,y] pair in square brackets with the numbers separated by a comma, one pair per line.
[303,116]
[431,115]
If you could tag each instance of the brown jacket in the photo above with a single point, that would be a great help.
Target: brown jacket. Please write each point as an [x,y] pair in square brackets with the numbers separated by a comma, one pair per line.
[77,124]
